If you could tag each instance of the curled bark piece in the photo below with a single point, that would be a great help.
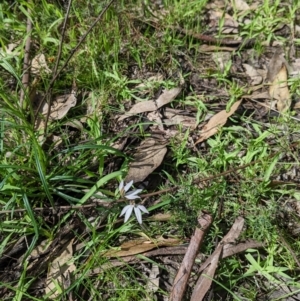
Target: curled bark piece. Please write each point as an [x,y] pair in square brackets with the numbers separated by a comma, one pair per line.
[184,272]
[209,267]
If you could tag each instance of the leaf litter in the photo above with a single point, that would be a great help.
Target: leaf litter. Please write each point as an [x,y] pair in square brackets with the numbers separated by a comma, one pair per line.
[217,121]
[148,156]
[61,269]
[152,105]
[278,75]
[149,152]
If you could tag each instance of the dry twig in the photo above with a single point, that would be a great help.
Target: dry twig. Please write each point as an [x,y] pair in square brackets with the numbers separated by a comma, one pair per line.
[73,51]
[25,77]
[49,92]
[182,277]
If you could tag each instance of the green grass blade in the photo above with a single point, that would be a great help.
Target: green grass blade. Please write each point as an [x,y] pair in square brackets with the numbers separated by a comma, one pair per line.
[100,183]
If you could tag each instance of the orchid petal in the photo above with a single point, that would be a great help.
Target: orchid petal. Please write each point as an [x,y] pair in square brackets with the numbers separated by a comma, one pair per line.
[136,191]
[131,195]
[128,213]
[121,186]
[125,209]
[143,208]
[138,214]
[128,185]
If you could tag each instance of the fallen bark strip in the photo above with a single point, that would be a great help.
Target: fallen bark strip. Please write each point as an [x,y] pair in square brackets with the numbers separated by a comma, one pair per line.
[210,265]
[172,251]
[167,251]
[182,277]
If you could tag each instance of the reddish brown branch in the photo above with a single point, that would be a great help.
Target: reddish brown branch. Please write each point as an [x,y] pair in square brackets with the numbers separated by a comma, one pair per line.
[182,277]
[26,65]
[49,92]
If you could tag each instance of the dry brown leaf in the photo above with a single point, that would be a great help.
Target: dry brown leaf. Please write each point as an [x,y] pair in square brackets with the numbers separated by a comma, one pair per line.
[295,68]
[230,25]
[9,49]
[167,96]
[148,157]
[217,4]
[213,48]
[155,116]
[275,64]
[234,249]
[59,108]
[262,73]
[152,284]
[138,246]
[152,105]
[231,249]
[227,241]
[221,59]
[140,107]
[255,5]
[279,90]
[240,5]
[60,270]
[216,122]
[258,95]
[39,65]
[255,76]
[56,141]
[37,252]
[297,105]
[162,217]
[234,232]
[75,124]
[175,117]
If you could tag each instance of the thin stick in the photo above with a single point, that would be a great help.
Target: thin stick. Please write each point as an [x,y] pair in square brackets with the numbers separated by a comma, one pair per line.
[73,52]
[62,38]
[25,77]
[71,207]
[49,92]
[196,181]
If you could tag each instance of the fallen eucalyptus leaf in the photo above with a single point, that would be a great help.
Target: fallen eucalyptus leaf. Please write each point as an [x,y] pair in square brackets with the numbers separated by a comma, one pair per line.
[176,117]
[152,105]
[255,76]
[59,107]
[39,65]
[138,246]
[275,64]
[167,96]
[152,284]
[216,122]
[148,157]
[60,270]
[279,90]
[240,5]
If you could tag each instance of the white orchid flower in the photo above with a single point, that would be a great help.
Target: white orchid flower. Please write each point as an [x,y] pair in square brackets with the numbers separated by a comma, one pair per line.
[127,210]
[131,195]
